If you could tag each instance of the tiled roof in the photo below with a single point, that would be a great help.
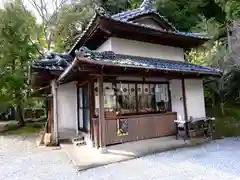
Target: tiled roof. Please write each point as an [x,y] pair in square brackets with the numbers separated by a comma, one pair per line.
[53,62]
[127,16]
[187,34]
[166,65]
[145,8]
[190,34]
[109,58]
[147,4]
[59,62]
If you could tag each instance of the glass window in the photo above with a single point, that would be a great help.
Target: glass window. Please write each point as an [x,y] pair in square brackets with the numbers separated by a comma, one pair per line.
[146,98]
[162,97]
[109,97]
[126,98]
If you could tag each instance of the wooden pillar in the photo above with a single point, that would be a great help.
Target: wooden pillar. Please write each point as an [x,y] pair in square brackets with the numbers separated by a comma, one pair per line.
[185,105]
[184,100]
[91,108]
[54,129]
[49,115]
[78,109]
[101,115]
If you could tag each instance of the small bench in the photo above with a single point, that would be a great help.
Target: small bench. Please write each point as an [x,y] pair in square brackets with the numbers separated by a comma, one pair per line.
[194,127]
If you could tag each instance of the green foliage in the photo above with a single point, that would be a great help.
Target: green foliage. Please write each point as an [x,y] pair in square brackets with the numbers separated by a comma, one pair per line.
[231,8]
[218,57]
[72,19]
[114,6]
[208,96]
[64,26]
[186,14]
[227,125]
[17,49]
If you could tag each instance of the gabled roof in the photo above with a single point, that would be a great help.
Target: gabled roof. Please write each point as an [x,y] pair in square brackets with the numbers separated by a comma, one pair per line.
[103,26]
[130,15]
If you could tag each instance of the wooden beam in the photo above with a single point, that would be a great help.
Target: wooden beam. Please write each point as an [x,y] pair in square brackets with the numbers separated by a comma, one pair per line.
[82,83]
[104,29]
[136,72]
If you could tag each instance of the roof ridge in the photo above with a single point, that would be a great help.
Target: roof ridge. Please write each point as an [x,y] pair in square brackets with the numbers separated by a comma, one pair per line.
[126,16]
[124,12]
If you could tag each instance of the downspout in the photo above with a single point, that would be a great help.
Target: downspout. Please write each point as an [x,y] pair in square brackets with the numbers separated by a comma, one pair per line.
[55,112]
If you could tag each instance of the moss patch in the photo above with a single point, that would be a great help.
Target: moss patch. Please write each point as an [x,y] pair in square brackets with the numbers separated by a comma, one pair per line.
[14,129]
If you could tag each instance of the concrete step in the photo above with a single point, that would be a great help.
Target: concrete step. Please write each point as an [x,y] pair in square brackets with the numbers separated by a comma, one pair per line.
[79,138]
[79,143]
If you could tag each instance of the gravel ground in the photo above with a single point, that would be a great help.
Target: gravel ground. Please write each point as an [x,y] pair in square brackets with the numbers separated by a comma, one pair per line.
[20,159]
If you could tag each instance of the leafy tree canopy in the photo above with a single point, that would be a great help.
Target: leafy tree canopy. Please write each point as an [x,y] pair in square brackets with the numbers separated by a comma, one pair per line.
[17,49]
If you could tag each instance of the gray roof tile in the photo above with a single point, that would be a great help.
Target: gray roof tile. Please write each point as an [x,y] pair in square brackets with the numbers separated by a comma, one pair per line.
[109,58]
[53,61]
[127,17]
[59,62]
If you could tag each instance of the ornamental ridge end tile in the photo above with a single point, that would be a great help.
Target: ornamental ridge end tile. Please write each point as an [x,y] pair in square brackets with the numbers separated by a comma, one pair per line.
[100,10]
[147,4]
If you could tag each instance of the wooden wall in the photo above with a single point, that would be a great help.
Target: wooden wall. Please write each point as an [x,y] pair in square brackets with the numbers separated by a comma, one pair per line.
[142,127]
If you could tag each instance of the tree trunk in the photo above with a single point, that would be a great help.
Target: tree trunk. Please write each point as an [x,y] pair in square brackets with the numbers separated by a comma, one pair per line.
[213,99]
[222,108]
[19,116]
